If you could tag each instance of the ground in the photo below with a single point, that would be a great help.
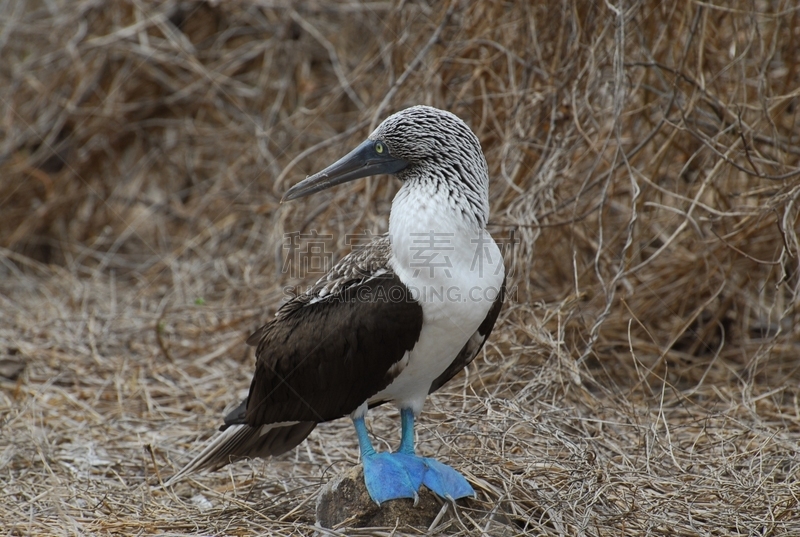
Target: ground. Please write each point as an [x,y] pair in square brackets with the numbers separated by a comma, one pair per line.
[643,375]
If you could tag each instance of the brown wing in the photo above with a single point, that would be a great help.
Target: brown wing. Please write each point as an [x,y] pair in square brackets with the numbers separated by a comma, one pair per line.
[325,353]
[322,360]
[318,360]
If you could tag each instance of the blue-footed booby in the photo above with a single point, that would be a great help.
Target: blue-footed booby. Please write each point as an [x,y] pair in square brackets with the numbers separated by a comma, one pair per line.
[392,321]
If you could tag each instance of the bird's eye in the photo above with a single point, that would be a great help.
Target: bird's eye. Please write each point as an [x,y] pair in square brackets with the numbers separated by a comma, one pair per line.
[379,148]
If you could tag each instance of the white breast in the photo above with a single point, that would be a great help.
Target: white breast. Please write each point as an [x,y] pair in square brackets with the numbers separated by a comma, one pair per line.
[454,269]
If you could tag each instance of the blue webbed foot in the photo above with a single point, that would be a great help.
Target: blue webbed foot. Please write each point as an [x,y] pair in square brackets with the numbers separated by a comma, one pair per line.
[445,481]
[390,476]
[438,477]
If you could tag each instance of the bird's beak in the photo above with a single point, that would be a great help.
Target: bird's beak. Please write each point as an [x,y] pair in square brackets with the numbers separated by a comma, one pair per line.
[362,161]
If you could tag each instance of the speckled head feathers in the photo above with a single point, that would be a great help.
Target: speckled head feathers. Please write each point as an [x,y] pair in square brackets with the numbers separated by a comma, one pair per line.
[442,152]
[423,132]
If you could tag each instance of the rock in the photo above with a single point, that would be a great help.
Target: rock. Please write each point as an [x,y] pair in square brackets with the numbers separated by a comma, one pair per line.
[345,501]
[11,364]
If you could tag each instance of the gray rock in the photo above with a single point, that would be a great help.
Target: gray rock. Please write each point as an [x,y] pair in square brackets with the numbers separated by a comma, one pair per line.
[12,363]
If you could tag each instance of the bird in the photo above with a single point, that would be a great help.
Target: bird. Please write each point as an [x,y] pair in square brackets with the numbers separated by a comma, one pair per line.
[391,322]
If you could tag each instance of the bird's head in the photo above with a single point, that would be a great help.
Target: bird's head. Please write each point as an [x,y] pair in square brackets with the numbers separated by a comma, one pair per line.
[417,142]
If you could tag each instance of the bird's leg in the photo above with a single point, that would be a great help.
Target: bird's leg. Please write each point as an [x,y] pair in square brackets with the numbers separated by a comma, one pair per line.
[407,426]
[364,443]
[386,477]
[438,477]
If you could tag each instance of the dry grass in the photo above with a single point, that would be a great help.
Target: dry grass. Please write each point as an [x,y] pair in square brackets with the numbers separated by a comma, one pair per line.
[642,381]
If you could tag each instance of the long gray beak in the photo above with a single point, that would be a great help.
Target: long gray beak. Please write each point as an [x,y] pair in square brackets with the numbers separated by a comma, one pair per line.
[362,161]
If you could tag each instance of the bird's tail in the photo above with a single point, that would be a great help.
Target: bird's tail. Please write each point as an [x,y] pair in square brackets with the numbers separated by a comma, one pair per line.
[243,441]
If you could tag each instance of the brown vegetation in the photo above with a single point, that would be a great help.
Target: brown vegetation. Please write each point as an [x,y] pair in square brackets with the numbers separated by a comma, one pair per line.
[645,159]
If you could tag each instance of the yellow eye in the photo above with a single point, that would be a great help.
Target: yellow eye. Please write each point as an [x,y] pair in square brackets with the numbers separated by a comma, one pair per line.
[379,148]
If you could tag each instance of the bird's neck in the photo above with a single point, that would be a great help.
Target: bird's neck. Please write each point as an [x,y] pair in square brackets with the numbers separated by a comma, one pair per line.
[421,207]
[432,230]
